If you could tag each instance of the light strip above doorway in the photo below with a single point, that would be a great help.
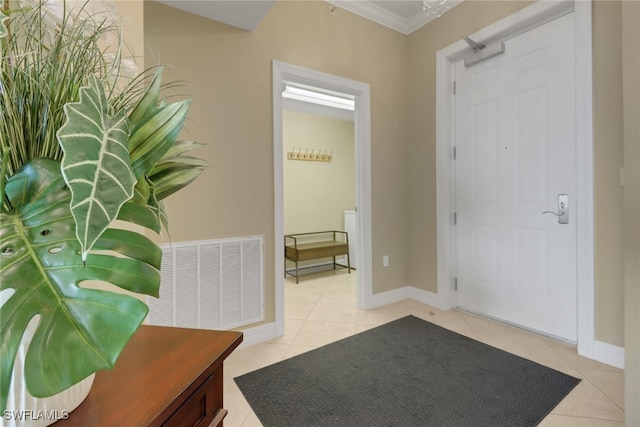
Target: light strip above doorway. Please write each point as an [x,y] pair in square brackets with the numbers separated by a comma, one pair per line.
[306,94]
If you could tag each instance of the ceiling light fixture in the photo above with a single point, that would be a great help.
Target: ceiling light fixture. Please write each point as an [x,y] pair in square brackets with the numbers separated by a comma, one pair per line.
[436,7]
[301,93]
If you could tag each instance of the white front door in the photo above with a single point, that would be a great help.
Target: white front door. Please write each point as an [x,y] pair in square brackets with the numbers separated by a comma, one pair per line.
[515,154]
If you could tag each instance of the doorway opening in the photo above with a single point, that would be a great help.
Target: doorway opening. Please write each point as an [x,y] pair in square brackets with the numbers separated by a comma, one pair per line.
[295,76]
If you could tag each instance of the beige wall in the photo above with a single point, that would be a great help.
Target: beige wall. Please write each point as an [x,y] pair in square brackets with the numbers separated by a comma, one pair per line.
[631,102]
[467,18]
[316,194]
[608,147]
[229,78]
[235,196]
[132,16]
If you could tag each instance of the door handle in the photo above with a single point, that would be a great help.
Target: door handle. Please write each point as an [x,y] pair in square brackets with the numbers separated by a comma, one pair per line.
[563,209]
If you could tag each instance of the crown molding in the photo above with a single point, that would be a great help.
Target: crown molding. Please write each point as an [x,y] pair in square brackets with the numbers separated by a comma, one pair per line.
[382,16]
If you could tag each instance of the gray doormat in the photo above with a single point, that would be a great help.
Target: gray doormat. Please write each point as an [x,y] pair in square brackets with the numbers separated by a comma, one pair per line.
[408,372]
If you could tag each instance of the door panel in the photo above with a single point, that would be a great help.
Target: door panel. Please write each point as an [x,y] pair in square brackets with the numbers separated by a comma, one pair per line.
[515,140]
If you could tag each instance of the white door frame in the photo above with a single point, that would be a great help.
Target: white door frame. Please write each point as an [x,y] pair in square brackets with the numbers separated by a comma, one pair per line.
[283,72]
[521,21]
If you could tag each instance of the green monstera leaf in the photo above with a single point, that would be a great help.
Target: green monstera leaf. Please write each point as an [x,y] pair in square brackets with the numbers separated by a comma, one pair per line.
[80,330]
[96,163]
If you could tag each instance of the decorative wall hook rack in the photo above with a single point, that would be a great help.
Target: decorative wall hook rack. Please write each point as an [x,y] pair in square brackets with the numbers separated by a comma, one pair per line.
[312,156]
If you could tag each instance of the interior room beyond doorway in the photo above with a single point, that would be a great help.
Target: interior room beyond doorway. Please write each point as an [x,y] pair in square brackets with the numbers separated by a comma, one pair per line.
[319,176]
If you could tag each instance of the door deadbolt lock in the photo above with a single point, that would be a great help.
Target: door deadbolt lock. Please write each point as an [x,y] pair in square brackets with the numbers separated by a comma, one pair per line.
[563,209]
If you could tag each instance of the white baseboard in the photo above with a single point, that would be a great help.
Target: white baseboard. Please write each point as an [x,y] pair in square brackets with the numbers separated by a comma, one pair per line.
[400,294]
[388,297]
[258,334]
[426,297]
[609,354]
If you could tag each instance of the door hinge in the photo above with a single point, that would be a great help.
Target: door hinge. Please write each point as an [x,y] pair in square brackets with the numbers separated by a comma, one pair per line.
[455,283]
[454,87]
[454,153]
[455,218]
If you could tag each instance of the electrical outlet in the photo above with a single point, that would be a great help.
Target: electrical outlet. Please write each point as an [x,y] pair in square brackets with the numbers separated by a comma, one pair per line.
[385,261]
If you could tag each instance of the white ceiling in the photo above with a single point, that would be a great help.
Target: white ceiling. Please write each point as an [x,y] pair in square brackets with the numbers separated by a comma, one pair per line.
[244,14]
[404,16]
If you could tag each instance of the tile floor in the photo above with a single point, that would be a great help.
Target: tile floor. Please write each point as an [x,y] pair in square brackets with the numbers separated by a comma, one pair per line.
[322,309]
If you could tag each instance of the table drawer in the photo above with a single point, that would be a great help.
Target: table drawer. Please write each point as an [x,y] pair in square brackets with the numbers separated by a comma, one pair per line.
[200,409]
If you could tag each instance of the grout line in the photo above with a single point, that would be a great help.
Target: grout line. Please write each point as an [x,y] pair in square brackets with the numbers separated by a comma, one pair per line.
[464,318]
[599,389]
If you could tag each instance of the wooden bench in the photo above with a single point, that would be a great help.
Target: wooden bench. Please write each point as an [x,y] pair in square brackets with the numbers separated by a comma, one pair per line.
[319,244]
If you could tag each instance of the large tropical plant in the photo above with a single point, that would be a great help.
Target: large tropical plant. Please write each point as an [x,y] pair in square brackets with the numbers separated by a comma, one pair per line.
[85,147]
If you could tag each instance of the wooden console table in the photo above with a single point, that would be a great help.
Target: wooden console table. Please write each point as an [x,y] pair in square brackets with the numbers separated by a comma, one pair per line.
[164,377]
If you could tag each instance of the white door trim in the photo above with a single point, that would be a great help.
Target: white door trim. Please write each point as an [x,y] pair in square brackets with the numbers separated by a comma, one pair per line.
[536,14]
[283,72]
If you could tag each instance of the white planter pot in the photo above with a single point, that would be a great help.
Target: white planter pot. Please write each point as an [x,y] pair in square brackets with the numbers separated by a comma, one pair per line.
[25,410]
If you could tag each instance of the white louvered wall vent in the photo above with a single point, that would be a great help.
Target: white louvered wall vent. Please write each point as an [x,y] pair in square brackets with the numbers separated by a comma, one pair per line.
[212,284]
